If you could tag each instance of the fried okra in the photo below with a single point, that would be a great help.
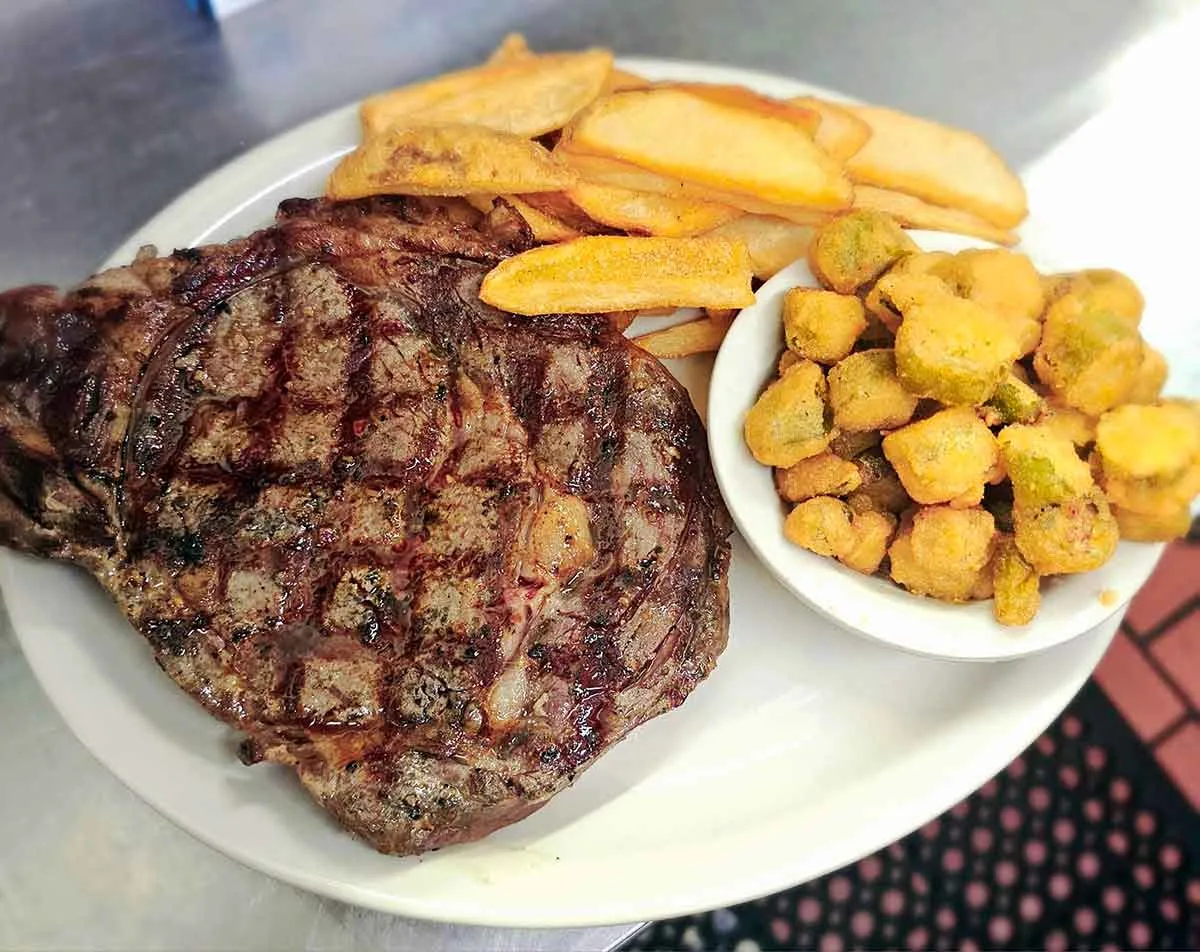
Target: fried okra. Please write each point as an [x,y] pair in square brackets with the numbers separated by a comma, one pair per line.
[1015,584]
[1066,537]
[825,474]
[790,421]
[1088,359]
[946,458]
[827,526]
[1043,466]
[822,325]
[855,248]
[945,553]
[866,394]
[1003,282]
[953,351]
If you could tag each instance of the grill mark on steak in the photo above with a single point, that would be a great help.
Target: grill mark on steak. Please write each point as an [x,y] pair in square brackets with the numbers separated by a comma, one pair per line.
[434,557]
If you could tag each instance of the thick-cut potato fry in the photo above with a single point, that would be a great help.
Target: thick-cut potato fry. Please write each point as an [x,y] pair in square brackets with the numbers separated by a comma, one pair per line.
[840,133]
[739,97]
[558,205]
[773,243]
[938,163]
[701,336]
[514,48]
[649,213]
[446,160]
[609,273]
[526,97]
[604,170]
[545,228]
[621,79]
[913,212]
[774,161]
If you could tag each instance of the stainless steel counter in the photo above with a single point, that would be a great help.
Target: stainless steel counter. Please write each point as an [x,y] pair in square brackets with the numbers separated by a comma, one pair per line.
[112,107]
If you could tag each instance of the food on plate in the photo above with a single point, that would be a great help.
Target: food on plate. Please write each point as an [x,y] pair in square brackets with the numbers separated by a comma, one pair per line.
[1013,401]
[840,133]
[1099,289]
[821,525]
[1149,457]
[856,248]
[913,212]
[700,336]
[825,474]
[881,489]
[618,273]
[1088,359]
[434,557]
[606,170]
[828,526]
[1151,376]
[866,395]
[446,160]
[945,553]
[976,384]
[648,213]
[1059,538]
[1016,586]
[822,325]
[804,118]
[615,168]
[1042,466]
[790,421]
[773,243]
[1005,283]
[941,164]
[774,160]
[945,458]
[953,350]
[525,96]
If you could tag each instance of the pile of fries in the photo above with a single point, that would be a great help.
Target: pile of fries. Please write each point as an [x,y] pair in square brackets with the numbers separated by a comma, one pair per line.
[645,197]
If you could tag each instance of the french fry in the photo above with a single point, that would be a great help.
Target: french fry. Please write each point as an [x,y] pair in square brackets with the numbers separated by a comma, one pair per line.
[620,79]
[701,336]
[605,273]
[526,96]
[773,243]
[912,212]
[682,136]
[512,49]
[840,132]
[603,170]
[446,160]
[941,164]
[648,213]
[545,228]
[739,97]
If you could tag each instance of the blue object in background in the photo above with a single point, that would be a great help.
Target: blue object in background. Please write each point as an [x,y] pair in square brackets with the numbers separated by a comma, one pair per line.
[218,9]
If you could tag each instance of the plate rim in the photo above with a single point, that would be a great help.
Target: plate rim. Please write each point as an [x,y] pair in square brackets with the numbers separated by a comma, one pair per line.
[865,838]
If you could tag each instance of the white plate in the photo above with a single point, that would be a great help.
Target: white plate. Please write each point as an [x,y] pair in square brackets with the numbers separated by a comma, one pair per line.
[1071,605]
[806,749]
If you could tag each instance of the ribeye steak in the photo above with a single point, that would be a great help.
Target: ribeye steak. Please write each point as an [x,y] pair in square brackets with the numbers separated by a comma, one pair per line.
[434,557]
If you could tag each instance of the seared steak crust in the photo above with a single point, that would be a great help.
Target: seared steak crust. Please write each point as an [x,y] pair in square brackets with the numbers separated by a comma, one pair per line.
[435,557]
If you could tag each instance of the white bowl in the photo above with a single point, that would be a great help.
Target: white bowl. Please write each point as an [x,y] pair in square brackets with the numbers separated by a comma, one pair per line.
[1071,605]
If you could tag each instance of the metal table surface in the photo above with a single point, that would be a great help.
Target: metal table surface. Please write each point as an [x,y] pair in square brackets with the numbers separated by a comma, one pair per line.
[112,107]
